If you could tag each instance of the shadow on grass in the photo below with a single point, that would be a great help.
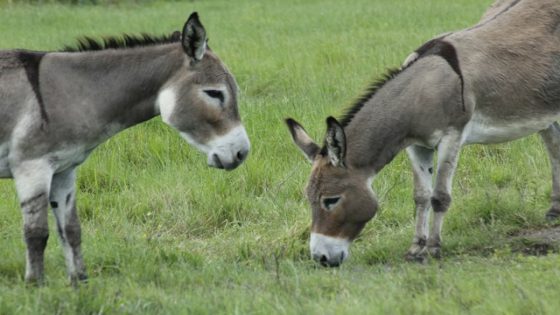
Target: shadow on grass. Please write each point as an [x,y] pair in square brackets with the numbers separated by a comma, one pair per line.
[538,240]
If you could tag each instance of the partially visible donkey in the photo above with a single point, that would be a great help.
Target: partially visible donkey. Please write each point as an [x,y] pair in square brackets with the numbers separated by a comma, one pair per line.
[494,82]
[57,107]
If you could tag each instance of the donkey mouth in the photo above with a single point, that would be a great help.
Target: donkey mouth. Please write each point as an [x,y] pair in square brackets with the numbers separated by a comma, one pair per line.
[217,163]
[326,262]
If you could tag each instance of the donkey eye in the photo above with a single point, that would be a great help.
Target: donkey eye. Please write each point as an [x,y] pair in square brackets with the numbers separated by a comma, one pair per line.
[217,94]
[329,203]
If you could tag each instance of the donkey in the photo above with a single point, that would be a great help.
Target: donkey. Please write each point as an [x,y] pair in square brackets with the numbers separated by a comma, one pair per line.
[494,82]
[58,106]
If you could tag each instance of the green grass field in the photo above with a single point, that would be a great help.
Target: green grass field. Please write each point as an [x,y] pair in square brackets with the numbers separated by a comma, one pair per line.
[164,234]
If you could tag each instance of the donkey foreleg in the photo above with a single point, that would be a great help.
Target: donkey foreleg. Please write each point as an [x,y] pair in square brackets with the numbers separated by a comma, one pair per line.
[422,166]
[551,139]
[32,179]
[448,154]
[63,204]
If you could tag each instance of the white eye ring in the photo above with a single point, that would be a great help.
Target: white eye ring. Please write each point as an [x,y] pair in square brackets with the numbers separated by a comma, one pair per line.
[329,203]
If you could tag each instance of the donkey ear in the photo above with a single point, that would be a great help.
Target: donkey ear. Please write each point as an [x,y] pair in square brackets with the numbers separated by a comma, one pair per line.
[302,140]
[194,37]
[336,142]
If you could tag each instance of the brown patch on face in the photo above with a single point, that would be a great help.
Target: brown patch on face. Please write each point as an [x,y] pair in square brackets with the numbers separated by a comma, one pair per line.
[196,113]
[356,206]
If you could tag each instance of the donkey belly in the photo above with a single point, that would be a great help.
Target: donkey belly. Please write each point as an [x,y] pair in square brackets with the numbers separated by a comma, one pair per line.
[484,130]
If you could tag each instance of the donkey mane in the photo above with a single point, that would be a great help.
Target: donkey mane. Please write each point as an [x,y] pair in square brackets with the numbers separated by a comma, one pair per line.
[368,94]
[434,47]
[121,42]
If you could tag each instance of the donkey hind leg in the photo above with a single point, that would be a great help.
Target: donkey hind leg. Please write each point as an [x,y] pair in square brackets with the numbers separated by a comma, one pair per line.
[422,167]
[551,139]
[63,204]
[32,179]
[448,153]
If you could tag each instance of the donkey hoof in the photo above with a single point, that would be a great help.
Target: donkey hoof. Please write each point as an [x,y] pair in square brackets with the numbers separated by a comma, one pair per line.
[34,281]
[552,214]
[435,252]
[416,258]
[75,280]
[416,254]
[83,277]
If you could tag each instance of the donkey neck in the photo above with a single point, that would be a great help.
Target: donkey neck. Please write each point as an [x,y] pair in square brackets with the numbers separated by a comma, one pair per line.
[120,86]
[378,131]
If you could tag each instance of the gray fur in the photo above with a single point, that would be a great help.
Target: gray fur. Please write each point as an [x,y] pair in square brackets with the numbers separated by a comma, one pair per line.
[509,64]
[58,106]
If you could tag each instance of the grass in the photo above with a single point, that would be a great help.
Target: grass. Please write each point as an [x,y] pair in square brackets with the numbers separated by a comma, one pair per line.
[164,234]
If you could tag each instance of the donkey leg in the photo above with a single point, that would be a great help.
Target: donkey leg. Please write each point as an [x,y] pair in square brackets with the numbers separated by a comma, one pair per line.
[422,167]
[63,204]
[32,179]
[551,139]
[448,153]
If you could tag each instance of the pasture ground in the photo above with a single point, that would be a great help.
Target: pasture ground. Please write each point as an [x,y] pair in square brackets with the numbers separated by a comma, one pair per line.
[164,234]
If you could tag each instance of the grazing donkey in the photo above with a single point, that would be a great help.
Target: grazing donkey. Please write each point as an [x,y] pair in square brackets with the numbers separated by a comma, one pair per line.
[58,106]
[494,82]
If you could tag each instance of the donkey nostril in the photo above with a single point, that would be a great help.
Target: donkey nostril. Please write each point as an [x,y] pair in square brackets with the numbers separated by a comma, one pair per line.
[241,155]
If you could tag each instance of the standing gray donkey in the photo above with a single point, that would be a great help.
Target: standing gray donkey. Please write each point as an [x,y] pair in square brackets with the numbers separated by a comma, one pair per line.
[494,82]
[56,107]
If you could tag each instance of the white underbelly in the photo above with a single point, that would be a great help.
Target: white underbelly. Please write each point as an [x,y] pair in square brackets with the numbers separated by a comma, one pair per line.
[68,157]
[483,130]
[60,160]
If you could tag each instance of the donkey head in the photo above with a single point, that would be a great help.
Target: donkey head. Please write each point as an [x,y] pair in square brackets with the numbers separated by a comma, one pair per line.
[200,101]
[341,197]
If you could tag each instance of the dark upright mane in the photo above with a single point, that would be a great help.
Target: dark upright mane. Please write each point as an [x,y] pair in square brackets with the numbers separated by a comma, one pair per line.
[434,47]
[370,92]
[122,42]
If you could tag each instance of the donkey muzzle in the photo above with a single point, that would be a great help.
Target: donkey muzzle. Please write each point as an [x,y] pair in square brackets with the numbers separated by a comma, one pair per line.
[215,161]
[230,150]
[327,250]
[227,151]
